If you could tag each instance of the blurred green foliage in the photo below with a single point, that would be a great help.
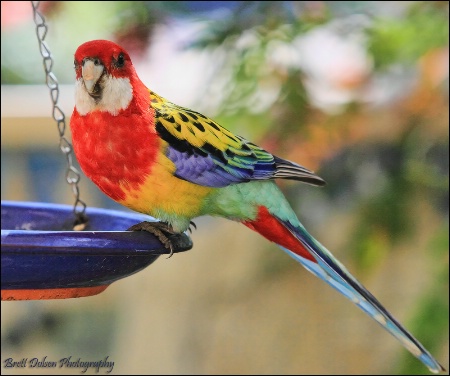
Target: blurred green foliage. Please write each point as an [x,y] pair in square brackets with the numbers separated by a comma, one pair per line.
[404,40]
[430,319]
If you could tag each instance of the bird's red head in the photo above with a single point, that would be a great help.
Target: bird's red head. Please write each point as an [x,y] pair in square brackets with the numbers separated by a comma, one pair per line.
[114,58]
[106,79]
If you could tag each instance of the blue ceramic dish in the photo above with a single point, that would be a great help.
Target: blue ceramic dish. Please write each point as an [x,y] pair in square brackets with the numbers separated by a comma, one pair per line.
[42,259]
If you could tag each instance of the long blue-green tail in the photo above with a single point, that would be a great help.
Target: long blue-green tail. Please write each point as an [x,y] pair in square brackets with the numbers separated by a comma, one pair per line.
[335,274]
[299,244]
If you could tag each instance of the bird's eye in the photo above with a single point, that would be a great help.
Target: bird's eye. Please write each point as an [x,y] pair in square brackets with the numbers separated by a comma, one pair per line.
[97,62]
[120,62]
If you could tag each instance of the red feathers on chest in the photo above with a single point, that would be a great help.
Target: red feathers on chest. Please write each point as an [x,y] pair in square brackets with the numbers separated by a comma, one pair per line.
[115,152]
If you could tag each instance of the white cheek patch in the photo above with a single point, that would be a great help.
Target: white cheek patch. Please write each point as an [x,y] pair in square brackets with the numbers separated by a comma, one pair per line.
[116,95]
[84,103]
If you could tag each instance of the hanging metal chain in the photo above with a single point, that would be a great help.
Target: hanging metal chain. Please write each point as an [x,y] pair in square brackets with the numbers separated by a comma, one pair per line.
[72,174]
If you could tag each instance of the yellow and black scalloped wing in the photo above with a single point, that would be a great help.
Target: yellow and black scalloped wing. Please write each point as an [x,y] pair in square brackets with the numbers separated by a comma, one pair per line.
[207,154]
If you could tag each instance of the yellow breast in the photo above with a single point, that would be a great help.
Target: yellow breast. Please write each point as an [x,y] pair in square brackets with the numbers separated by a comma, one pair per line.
[163,192]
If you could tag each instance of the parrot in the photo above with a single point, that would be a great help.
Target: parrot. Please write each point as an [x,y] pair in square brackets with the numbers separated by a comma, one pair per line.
[175,164]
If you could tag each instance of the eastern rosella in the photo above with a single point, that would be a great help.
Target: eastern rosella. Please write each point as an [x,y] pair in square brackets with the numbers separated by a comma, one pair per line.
[176,164]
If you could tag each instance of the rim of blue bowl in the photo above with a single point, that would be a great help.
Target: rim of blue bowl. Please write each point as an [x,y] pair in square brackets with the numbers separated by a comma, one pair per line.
[102,237]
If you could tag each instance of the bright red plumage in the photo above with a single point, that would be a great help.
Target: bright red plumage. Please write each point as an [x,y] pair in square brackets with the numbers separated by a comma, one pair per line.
[124,157]
[272,229]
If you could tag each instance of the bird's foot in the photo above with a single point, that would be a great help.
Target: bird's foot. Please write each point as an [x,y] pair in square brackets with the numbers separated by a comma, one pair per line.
[161,230]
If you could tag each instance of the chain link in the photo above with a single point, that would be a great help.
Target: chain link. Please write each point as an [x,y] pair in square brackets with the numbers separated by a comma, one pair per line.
[72,174]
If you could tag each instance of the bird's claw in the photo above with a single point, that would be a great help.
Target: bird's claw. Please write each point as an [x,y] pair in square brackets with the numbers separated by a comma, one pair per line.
[161,230]
[193,225]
